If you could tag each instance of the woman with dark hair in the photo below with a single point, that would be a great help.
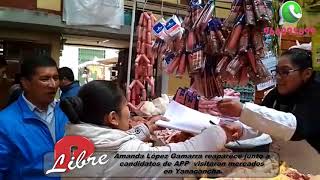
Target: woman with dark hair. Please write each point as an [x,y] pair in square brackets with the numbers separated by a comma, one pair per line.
[100,113]
[291,110]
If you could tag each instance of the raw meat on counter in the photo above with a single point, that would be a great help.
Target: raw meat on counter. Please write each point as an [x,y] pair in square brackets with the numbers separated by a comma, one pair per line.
[165,136]
[171,136]
[157,106]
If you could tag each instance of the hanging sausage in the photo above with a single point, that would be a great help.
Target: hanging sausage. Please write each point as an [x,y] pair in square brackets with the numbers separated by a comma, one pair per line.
[144,62]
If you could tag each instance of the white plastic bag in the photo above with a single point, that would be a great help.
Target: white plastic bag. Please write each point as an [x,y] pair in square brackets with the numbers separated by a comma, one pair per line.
[94,12]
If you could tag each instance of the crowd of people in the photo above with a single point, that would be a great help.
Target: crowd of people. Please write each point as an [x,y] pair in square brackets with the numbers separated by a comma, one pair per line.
[33,122]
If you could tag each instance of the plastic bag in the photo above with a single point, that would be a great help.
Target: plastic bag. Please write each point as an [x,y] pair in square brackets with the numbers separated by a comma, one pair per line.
[173,26]
[94,12]
[159,29]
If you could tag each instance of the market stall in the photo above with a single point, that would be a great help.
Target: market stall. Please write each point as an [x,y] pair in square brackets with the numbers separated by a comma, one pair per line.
[215,53]
[204,46]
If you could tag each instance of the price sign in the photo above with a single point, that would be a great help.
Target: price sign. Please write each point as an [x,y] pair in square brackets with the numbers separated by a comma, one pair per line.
[266,85]
[270,62]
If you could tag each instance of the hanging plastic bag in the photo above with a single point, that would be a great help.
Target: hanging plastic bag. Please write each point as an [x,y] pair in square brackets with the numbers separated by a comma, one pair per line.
[173,26]
[159,29]
[94,12]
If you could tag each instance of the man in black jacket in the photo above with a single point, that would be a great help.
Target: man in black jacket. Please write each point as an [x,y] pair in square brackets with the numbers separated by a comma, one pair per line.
[68,85]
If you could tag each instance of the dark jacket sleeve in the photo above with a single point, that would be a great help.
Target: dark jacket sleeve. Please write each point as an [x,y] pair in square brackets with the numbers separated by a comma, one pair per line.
[308,122]
[269,100]
[307,114]
[14,96]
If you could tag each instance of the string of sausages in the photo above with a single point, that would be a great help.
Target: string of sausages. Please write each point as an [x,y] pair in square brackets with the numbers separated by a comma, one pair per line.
[244,47]
[143,68]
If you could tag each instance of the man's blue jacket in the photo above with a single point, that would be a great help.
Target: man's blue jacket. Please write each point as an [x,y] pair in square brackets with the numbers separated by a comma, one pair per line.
[70,91]
[24,141]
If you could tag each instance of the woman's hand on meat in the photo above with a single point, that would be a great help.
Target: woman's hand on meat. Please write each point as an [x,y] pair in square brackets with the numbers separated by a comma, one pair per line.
[229,107]
[233,130]
[151,123]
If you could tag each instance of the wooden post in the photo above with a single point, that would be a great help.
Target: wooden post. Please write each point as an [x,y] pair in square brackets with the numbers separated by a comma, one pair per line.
[131,43]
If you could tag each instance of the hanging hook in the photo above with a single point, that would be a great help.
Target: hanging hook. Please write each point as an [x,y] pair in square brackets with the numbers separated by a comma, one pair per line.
[161,9]
[177,10]
[144,6]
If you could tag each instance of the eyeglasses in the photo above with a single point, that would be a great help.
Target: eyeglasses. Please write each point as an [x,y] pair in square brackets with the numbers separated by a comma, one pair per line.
[285,73]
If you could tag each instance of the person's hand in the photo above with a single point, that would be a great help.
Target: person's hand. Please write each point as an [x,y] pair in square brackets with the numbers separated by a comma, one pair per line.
[233,130]
[151,123]
[138,119]
[229,107]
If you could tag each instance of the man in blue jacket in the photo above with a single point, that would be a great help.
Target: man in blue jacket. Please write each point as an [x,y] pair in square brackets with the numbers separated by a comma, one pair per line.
[31,126]
[68,85]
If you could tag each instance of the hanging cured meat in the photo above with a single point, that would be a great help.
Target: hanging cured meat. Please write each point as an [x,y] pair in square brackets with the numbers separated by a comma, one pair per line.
[245,48]
[196,49]
[142,87]
[215,52]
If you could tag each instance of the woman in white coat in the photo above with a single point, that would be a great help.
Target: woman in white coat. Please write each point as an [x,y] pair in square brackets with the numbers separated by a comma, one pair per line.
[100,113]
[289,112]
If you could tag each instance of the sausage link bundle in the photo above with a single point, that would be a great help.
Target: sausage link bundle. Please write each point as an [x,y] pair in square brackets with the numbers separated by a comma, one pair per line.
[144,62]
[236,9]
[244,47]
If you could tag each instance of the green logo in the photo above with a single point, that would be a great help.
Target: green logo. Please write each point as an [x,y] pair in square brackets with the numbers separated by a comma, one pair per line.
[290,12]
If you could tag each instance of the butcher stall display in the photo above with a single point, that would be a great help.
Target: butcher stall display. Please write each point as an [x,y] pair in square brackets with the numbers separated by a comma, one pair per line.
[215,52]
